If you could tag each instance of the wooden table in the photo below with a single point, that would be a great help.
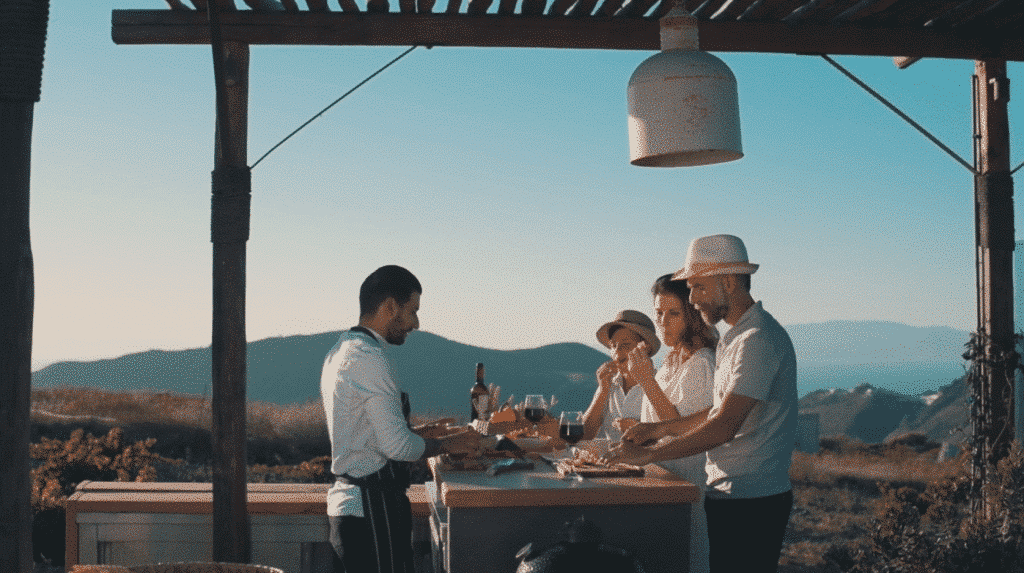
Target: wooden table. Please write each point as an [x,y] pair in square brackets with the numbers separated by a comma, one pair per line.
[479,522]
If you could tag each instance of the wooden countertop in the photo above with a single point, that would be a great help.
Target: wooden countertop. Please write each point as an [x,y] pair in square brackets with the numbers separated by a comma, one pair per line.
[544,487]
[197,498]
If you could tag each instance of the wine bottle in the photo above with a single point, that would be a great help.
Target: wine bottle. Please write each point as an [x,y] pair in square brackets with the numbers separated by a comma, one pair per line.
[479,396]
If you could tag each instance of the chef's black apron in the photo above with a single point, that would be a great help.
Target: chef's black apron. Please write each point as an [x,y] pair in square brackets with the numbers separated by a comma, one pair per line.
[381,540]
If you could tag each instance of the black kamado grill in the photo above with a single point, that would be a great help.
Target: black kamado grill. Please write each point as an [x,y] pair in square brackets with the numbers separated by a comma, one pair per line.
[579,550]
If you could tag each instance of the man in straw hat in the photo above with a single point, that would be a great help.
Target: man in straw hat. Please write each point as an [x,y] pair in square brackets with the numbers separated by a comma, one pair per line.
[750,432]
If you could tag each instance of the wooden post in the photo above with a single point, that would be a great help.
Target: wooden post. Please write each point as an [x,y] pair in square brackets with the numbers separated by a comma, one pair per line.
[22,43]
[229,227]
[993,186]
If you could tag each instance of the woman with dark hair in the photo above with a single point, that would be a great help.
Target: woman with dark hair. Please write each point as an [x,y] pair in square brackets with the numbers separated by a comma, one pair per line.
[685,380]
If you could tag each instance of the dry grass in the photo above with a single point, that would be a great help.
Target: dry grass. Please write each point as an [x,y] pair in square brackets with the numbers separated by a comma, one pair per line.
[836,494]
[835,491]
[265,420]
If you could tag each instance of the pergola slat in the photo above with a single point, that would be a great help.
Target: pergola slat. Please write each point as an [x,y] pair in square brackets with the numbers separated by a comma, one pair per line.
[477,7]
[317,5]
[708,7]
[560,7]
[489,30]
[732,10]
[177,5]
[608,7]
[533,7]
[348,6]
[425,6]
[407,6]
[199,4]
[661,9]
[582,8]
[910,12]
[821,11]
[772,11]
[507,7]
[634,8]
[863,9]
[453,7]
[378,6]
[290,6]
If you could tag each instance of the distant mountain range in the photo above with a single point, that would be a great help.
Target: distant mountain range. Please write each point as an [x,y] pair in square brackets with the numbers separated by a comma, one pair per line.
[436,372]
[900,363]
[876,415]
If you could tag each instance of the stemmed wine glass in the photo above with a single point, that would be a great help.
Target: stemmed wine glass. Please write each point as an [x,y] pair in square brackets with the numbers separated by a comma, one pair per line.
[535,408]
[570,429]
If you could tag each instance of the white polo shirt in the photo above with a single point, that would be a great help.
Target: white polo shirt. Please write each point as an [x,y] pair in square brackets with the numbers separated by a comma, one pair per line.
[755,358]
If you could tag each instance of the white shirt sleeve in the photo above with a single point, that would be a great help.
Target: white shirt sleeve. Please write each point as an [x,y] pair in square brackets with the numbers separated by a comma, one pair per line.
[754,367]
[371,376]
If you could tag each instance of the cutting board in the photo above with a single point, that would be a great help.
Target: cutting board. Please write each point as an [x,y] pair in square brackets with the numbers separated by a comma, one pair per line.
[591,471]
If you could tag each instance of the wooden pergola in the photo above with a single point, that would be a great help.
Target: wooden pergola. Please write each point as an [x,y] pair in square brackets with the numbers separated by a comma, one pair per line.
[990,32]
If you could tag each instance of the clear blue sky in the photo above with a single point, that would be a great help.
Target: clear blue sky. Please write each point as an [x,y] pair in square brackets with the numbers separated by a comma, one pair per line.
[499,176]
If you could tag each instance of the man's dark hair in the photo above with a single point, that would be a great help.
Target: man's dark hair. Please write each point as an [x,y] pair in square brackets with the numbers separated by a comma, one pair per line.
[389,281]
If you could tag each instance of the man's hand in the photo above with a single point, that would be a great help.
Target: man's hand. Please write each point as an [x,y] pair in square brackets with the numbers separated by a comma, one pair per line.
[628,453]
[436,429]
[643,432]
[463,442]
[623,424]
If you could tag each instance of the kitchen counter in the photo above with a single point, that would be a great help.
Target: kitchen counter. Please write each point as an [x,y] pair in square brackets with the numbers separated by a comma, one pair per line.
[479,522]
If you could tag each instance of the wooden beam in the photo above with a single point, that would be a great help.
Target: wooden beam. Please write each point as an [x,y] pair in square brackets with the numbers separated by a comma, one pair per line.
[995,242]
[24,40]
[17,292]
[494,31]
[229,226]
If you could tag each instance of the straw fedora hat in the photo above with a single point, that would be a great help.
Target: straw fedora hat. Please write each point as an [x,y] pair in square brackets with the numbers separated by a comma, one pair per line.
[715,255]
[636,321]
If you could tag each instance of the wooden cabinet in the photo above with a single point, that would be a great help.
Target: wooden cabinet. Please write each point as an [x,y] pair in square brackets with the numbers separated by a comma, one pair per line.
[125,523]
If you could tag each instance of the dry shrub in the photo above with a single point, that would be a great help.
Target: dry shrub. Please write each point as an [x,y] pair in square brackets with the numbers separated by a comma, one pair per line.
[62,464]
[316,470]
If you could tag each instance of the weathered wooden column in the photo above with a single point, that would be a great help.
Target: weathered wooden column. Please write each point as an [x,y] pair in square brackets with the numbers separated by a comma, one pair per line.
[229,226]
[22,44]
[993,187]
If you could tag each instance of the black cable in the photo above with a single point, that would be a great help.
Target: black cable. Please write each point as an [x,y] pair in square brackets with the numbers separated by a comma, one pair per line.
[371,76]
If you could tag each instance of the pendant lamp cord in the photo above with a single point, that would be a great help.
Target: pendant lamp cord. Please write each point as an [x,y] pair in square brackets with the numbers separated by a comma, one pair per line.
[343,96]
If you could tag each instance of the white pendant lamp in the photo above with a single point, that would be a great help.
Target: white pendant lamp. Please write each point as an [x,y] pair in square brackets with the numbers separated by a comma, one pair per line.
[683,103]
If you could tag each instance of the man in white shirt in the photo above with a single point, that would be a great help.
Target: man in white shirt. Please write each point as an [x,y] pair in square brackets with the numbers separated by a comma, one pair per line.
[750,432]
[371,440]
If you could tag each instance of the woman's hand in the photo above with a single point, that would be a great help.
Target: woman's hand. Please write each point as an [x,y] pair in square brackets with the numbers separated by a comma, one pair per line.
[642,433]
[606,373]
[628,453]
[638,363]
[623,424]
